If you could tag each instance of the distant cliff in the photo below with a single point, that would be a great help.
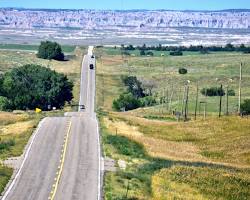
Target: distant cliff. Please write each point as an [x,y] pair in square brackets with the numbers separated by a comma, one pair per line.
[90,19]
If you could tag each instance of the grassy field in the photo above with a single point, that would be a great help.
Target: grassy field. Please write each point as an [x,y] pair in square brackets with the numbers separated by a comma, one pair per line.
[26,47]
[16,129]
[166,159]
[205,70]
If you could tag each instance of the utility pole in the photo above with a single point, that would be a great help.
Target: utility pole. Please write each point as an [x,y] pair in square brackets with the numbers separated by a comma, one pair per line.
[186,104]
[227,102]
[196,102]
[240,80]
[205,105]
[171,96]
[221,94]
[183,100]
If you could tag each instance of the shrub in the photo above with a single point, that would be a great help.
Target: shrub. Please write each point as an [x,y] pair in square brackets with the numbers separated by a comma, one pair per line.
[5,145]
[148,101]
[150,53]
[176,53]
[231,92]
[4,103]
[245,107]
[50,50]
[213,91]
[142,53]
[182,71]
[127,102]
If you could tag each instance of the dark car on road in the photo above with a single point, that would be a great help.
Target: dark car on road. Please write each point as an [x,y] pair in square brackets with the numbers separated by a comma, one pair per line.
[91,66]
[92,56]
[82,107]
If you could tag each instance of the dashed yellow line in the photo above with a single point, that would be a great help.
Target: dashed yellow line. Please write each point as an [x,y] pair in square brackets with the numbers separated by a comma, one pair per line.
[60,167]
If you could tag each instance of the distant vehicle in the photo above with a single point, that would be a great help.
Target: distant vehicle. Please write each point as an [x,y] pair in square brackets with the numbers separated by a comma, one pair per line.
[91,66]
[82,107]
[92,56]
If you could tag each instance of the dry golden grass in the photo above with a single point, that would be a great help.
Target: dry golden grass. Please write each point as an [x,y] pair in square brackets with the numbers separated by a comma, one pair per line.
[164,189]
[16,128]
[8,118]
[182,182]
[156,148]
[225,141]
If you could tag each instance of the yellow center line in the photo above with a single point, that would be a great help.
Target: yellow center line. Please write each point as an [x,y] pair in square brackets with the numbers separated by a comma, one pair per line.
[59,173]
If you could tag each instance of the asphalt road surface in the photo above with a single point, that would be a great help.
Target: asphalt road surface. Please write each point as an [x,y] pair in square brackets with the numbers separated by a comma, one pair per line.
[39,177]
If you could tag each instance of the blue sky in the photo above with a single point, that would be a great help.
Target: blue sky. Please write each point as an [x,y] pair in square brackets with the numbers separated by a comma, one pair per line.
[129,4]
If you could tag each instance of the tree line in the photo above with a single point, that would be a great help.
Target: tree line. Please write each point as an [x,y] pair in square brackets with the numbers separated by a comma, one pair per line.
[199,48]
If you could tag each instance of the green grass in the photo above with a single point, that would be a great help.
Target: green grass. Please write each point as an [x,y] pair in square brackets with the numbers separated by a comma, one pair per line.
[26,47]
[5,175]
[207,70]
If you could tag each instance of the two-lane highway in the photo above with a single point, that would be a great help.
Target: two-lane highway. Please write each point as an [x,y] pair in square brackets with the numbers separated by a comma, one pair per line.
[81,175]
[63,160]
[36,176]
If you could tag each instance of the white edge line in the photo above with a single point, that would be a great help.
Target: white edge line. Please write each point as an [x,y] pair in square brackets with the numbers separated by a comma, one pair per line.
[81,86]
[25,158]
[98,144]
[99,164]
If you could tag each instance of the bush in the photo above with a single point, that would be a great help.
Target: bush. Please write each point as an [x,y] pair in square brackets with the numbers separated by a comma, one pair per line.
[213,91]
[148,101]
[245,107]
[5,145]
[32,86]
[182,71]
[50,50]
[142,53]
[4,103]
[150,53]
[125,146]
[176,53]
[231,92]
[127,102]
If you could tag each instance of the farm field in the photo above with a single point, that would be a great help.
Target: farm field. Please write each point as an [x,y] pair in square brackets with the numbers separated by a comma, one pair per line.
[17,127]
[166,159]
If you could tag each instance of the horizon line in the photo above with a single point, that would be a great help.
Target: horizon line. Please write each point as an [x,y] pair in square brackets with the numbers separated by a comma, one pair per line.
[121,10]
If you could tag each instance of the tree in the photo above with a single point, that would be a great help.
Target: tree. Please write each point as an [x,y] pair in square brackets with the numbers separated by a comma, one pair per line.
[50,50]
[148,86]
[126,101]
[245,107]
[229,47]
[134,86]
[32,86]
